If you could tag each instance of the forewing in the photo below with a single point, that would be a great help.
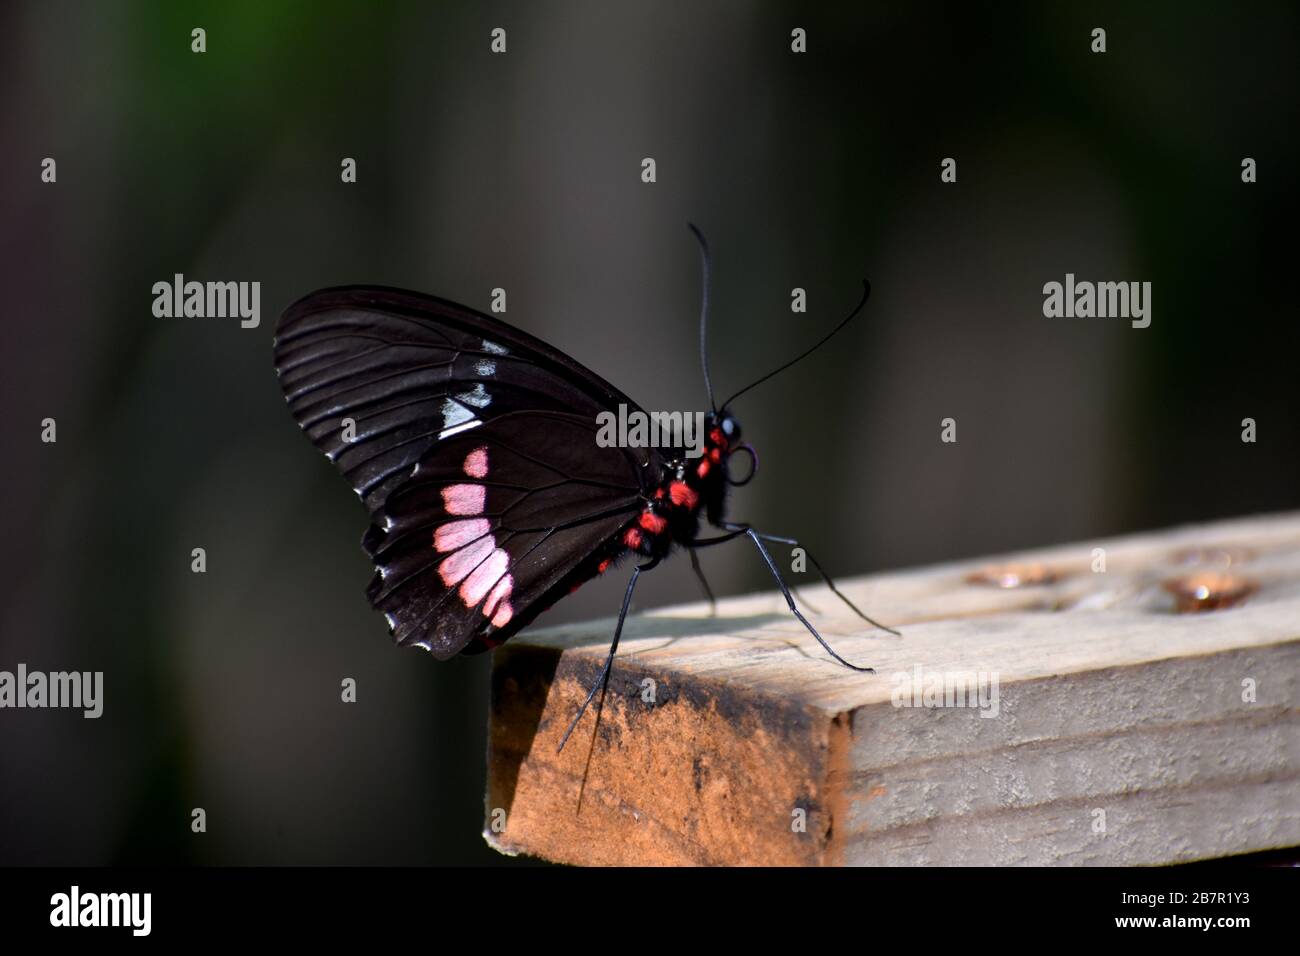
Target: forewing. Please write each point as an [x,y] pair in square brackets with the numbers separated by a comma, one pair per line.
[376,377]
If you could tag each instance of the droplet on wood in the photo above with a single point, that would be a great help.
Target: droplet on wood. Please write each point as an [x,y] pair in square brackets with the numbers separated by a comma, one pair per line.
[1012,575]
[1208,591]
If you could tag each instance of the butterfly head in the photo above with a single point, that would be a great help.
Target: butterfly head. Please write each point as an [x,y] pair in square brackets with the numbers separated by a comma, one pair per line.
[729,426]
[723,440]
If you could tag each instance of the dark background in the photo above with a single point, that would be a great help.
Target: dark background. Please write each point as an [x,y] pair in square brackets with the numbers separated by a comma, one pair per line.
[523,171]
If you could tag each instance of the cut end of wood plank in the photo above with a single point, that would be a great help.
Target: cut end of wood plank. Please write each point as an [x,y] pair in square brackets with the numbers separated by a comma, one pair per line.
[760,763]
[1102,726]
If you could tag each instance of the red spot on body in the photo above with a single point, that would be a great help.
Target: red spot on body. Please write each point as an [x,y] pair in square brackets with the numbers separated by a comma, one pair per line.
[683,495]
[632,538]
[604,566]
[652,522]
[715,455]
[703,468]
[715,436]
[659,493]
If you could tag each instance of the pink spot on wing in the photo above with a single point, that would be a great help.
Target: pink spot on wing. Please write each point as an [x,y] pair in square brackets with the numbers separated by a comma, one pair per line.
[503,615]
[502,590]
[457,534]
[456,567]
[482,578]
[464,499]
[475,563]
[476,464]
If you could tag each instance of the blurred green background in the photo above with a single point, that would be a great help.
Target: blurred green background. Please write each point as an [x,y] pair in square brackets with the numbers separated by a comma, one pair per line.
[522,171]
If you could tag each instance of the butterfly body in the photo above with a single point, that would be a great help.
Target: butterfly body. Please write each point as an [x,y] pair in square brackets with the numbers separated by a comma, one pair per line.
[687,487]
[671,507]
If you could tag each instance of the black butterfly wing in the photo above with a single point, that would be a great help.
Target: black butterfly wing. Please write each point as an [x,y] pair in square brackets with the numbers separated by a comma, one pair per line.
[503,544]
[472,444]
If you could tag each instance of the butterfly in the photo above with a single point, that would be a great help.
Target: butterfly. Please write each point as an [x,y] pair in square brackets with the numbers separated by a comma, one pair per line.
[473,446]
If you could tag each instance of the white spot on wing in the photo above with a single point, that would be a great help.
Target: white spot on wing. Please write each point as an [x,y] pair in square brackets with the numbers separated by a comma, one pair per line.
[477,396]
[448,432]
[494,348]
[454,413]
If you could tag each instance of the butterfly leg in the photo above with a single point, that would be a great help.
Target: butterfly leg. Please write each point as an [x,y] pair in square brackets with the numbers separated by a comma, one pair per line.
[734,532]
[708,591]
[602,682]
[789,599]
[824,576]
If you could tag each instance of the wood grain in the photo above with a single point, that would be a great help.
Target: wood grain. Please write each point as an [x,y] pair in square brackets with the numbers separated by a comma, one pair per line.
[1123,731]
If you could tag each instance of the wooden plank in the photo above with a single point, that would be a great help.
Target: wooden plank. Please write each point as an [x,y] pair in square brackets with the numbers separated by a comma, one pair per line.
[1123,730]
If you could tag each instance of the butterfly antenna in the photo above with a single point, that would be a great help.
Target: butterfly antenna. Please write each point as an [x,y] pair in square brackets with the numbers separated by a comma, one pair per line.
[707,266]
[866,294]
